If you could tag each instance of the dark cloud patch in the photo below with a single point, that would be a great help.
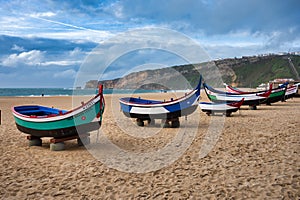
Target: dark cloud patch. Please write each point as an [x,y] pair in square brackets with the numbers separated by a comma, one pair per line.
[217,17]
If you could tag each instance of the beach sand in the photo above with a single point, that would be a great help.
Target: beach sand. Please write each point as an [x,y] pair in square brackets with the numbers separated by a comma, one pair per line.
[255,156]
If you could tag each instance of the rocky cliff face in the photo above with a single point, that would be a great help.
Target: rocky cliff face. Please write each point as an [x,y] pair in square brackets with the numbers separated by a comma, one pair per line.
[109,83]
[230,71]
[91,84]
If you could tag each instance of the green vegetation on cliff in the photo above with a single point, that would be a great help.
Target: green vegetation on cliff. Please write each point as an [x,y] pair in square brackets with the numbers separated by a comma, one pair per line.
[264,70]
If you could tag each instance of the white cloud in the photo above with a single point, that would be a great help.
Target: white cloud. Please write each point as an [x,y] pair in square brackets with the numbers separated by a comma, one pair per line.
[61,62]
[116,9]
[34,57]
[43,14]
[70,73]
[76,52]
[17,48]
[81,35]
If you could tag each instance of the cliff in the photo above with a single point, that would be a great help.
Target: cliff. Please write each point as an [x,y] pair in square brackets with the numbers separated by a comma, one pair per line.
[243,72]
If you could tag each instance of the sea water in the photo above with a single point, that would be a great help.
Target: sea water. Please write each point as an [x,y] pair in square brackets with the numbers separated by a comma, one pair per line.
[35,92]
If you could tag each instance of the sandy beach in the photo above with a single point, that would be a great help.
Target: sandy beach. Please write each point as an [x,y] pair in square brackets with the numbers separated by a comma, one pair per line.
[255,156]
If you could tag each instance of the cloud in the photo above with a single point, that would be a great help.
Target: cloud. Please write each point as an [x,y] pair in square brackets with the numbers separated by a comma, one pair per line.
[17,48]
[75,52]
[43,14]
[216,17]
[98,21]
[70,73]
[61,63]
[42,58]
[74,35]
[287,39]
[34,57]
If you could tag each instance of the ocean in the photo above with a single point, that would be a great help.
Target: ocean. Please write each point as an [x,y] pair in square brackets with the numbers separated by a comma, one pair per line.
[35,92]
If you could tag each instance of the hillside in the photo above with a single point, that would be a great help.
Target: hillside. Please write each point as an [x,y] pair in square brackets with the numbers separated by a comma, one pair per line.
[241,72]
[255,70]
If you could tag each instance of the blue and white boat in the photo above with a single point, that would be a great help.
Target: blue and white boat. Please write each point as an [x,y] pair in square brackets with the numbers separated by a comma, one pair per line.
[145,109]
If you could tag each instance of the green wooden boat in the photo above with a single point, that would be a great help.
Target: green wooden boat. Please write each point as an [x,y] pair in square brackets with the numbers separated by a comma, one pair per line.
[41,121]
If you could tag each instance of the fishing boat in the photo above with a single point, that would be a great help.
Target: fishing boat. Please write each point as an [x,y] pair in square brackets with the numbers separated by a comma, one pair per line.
[211,108]
[41,121]
[252,99]
[168,111]
[277,94]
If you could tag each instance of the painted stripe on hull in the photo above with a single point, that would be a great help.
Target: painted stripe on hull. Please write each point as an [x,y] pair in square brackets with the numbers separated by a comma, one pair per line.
[169,115]
[151,110]
[220,107]
[64,132]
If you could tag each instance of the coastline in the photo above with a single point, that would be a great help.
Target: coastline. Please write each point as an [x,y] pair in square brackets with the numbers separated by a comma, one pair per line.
[256,156]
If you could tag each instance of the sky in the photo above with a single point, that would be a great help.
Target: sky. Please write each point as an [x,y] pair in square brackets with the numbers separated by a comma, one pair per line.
[45,43]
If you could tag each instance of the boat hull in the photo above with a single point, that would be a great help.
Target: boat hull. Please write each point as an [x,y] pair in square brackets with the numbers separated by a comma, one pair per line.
[228,99]
[231,110]
[169,115]
[212,107]
[61,132]
[276,95]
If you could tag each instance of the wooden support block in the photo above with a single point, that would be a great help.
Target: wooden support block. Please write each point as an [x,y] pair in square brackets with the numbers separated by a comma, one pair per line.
[252,107]
[175,123]
[139,122]
[34,141]
[57,146]
[30,137]
[165,123]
